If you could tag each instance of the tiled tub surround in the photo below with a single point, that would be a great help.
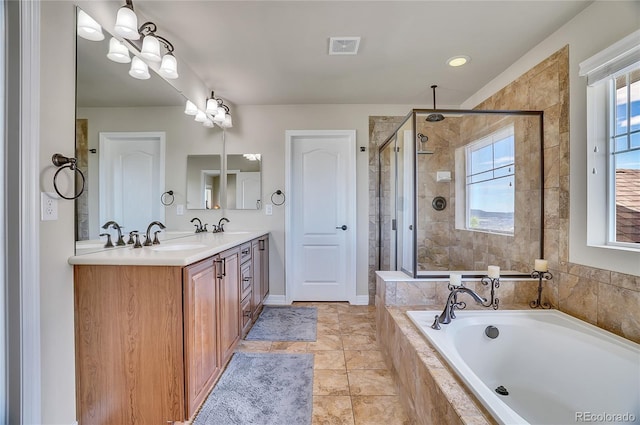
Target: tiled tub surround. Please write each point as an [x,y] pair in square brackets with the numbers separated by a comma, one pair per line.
[430,391]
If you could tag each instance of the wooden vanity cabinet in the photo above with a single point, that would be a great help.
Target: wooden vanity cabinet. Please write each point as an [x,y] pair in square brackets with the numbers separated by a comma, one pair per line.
[151,341]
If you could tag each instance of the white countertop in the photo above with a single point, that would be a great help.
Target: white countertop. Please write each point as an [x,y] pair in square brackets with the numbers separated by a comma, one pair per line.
[198,247]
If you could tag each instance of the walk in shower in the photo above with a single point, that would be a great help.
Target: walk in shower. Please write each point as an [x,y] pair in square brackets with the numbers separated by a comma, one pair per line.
[462,193]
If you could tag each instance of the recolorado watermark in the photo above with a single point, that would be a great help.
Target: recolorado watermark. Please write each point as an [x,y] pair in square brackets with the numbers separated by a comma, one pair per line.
[605,417]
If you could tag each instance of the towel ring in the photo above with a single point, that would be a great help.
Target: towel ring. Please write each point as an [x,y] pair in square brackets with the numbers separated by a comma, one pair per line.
[278,193]
[63,162]
[164,198]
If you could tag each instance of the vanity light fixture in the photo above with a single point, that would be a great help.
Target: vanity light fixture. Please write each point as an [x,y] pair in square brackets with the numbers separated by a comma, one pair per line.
[227,123]
[458,60]
[208,123]
[127,22]
[118,52]
[252,156]
[190,108]
[88,28]
[139,69]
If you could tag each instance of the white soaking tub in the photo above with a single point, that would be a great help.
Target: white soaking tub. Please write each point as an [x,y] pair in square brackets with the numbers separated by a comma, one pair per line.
[556,369]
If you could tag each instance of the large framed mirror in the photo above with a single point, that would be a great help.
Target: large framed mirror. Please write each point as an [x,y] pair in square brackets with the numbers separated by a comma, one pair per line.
[112,108]
[244,181]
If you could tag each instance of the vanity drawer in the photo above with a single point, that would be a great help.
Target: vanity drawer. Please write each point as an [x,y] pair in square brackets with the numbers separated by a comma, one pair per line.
[246,283]
[245,252]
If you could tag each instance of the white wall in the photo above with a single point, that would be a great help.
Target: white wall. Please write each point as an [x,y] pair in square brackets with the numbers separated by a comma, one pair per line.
[57,135]
[598,26]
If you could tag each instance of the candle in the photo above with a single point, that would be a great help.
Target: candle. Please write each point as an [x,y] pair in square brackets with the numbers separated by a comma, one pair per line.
[494,272]
[455,279]
[541,266]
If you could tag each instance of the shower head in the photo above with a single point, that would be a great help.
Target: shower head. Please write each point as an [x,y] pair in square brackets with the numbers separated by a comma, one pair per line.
[422,138]
[434,117]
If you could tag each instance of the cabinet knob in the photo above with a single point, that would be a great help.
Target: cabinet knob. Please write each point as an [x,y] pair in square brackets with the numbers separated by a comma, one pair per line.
[247,314]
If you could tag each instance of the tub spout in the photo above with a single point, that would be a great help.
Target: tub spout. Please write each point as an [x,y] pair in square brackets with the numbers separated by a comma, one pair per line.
[453,303]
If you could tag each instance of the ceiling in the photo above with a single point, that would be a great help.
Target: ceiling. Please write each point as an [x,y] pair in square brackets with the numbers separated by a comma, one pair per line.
[276,52]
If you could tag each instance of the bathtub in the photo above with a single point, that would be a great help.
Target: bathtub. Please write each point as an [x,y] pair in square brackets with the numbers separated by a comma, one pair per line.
[555,368]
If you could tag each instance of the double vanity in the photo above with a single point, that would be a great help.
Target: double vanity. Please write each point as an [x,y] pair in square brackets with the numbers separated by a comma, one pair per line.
[155,327]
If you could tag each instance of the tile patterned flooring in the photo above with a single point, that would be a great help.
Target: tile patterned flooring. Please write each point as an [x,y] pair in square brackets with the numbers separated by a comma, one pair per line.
[351,382]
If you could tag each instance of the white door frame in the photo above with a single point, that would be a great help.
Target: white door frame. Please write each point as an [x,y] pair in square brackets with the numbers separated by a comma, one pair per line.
[290,137]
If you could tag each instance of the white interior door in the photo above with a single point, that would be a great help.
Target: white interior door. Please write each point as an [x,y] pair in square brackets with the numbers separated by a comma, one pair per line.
[131,179]
[247,190]
[321,216]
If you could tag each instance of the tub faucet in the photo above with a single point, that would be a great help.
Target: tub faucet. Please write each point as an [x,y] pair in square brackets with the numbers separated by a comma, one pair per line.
[453,303]
[120,241]
[148,241]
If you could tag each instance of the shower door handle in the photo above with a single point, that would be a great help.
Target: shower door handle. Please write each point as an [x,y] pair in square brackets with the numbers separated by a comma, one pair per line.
[343,227]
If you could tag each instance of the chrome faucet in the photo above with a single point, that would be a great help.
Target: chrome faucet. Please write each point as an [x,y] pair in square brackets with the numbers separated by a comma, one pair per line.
[453,303]
[199,227]
[221,224]
[120,241]
[148,241]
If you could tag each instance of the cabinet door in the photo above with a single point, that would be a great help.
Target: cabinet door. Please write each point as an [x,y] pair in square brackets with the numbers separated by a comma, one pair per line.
[202,357]
[228,270]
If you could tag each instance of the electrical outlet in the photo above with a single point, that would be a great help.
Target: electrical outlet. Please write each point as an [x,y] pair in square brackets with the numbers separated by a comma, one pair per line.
[179,209]
[48,206]
[268,209]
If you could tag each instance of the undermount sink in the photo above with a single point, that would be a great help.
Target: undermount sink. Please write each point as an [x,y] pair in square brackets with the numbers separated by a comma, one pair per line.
[235,233]
[178,247]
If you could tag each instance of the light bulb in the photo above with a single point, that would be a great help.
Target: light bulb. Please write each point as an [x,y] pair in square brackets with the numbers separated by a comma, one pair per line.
[139,69]
[190,108]
[150,48]
[169,67]
[126,24]
[118,52]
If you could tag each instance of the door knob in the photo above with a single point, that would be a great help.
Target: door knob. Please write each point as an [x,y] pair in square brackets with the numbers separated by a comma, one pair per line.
[343,227]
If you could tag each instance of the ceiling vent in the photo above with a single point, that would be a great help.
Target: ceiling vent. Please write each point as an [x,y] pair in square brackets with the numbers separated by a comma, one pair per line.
[344,45]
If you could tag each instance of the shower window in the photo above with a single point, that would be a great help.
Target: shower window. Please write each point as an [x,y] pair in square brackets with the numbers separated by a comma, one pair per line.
[490,191]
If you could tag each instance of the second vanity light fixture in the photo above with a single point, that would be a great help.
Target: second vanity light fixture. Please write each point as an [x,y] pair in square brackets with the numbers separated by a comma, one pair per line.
[216,112]
[126,26]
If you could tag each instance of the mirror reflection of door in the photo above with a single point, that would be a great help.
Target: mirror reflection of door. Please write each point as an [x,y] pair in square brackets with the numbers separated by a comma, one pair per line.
[210,189]
[244,182]
[203,182]
[125,158]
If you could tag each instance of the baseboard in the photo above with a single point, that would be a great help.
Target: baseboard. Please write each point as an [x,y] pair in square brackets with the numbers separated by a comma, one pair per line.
[361,300]
[275,300]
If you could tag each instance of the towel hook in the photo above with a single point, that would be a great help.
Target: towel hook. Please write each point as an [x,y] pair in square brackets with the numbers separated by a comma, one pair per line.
[167,198]
[63,162]
[278,193]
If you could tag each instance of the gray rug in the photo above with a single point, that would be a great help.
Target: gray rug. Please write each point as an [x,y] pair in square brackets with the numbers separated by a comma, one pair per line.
[285,324]
[261,389]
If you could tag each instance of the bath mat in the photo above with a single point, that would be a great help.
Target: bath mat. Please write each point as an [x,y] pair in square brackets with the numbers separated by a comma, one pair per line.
[285,324]
[261,389]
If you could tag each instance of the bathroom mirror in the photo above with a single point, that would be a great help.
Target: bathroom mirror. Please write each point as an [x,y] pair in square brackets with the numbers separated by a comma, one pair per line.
[110,101]
[204,182]
[461,190]
[244,181]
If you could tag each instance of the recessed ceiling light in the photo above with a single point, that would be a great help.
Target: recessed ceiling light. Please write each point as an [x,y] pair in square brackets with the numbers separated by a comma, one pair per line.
[458,60]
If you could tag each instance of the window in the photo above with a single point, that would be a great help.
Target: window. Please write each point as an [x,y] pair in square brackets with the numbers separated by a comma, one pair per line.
[624,153]
[613,145]
[490,192]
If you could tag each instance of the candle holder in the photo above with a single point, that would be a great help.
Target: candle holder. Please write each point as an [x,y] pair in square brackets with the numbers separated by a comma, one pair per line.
[494,283]
[540,275]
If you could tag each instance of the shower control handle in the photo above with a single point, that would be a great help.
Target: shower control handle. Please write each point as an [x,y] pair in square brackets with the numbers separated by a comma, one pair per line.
[343,227]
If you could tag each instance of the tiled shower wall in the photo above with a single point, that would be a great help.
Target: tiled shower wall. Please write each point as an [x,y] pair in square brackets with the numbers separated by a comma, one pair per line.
[605,298]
